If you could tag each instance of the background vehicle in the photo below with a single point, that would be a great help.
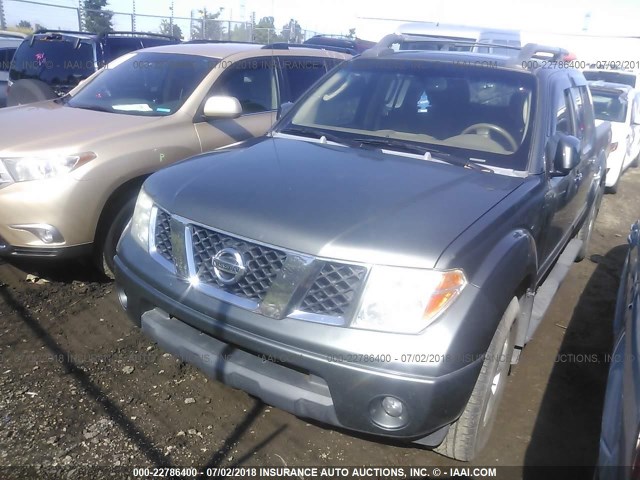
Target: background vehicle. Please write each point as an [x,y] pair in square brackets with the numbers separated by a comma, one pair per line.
[624,77]
[69,190]
[9,42]
[619,105]
[49,64]
[619,457]
[449,33]
[391,255]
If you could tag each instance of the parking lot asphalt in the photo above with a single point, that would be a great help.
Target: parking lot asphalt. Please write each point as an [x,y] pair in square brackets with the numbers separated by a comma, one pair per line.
[80,385]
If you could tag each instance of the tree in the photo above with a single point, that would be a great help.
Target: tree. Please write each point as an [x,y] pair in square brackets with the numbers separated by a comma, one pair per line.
[39,27]
[241,33]
[292,32]
[352,33]
[96,19]
[265,31]
[166,28]
[207,26]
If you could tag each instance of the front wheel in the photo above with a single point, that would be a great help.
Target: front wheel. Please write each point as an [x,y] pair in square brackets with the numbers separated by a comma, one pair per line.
[470,433]
[106,247]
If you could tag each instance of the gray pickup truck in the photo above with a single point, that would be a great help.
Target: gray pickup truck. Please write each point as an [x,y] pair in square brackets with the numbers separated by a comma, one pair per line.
[380,259]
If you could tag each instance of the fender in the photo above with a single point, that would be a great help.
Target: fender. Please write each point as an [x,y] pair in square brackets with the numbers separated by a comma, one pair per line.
[509,269]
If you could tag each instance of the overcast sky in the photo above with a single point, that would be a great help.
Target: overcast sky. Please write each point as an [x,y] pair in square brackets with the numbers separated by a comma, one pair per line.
[615,17]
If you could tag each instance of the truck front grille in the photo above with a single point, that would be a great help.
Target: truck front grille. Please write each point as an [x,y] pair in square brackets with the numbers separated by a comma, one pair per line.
[262,263]
[334,289]
[163,235]
[331,292]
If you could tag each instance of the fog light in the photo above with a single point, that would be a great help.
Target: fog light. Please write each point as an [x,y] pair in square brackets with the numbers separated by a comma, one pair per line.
[392,406]
[46,233]
[389,413]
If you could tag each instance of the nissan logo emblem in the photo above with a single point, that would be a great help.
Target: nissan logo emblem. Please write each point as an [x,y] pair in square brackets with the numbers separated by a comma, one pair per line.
[228,266]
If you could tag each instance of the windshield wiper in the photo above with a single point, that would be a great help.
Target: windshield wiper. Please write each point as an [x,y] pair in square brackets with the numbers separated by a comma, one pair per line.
[316,133]
[97,108]
[411,148]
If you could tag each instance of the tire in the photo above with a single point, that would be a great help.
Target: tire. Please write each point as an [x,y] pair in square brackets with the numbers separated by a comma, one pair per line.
[585,232]
[29,91]
[470,433]
[613,189]
[106,244]
[635,162]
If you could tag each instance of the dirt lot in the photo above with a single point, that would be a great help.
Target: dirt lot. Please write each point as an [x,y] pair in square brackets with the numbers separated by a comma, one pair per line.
[79,385]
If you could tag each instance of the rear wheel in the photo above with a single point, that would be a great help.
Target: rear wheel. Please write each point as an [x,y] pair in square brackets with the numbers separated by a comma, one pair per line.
[470,433]
[635,162]
[115,224]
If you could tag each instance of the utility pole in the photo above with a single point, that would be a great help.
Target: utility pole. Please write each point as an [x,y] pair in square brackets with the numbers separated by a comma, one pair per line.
[3,21]
[133,17]
[171,18]
[80,17]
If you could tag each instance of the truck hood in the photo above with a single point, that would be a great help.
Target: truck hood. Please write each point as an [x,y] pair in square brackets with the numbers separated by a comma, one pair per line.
[50,126]
[331,201]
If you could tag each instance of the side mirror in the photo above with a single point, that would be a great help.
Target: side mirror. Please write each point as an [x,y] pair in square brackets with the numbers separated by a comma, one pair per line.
[284,108]
[222,107]
[567,154]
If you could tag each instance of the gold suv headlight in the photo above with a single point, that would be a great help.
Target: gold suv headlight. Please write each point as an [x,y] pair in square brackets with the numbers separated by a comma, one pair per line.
[39,167]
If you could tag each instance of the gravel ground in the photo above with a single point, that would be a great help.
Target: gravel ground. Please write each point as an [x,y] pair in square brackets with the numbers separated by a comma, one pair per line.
[80,386]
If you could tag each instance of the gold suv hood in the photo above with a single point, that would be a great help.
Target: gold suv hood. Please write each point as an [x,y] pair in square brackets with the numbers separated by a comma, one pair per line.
[52,126]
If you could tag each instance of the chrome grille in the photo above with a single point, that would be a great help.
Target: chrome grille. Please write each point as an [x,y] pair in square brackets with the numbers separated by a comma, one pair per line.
[262,263]
[333,289]
[163,235]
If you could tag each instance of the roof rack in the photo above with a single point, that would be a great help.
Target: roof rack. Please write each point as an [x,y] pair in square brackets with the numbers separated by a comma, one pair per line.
[287,46]
[67,32]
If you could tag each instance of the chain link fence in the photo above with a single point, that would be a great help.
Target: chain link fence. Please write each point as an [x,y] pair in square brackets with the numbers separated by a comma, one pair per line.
[30,15]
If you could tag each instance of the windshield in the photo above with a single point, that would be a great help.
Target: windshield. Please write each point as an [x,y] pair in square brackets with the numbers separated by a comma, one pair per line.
[609,106]
[150,84]
[61,63]
[483,114]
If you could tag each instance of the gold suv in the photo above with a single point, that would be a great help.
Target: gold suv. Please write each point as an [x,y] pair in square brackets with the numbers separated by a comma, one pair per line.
[70,168]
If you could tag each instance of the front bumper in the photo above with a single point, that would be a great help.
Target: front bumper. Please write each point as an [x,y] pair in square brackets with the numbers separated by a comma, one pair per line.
[72,207]
[293,376]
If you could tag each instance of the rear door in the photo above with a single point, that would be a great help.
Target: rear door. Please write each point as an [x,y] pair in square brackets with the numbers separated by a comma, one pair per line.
[560,207]
[254,82]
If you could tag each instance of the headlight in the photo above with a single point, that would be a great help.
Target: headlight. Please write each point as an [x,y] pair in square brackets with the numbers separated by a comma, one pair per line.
[141,219]
[24,169]
[406,300]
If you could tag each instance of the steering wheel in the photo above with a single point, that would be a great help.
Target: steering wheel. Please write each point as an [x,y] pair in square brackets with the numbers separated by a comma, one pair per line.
[484,128]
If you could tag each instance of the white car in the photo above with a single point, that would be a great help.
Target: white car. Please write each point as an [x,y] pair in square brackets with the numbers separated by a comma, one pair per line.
[620,105]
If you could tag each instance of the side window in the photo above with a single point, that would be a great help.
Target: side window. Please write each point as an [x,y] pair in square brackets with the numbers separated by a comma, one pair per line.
[6,55]
[300,74]
[563,112]
[252,82]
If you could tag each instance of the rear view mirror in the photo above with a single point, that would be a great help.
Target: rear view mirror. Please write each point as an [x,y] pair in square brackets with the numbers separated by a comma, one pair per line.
[222,107]
[284,108]
[567,154]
